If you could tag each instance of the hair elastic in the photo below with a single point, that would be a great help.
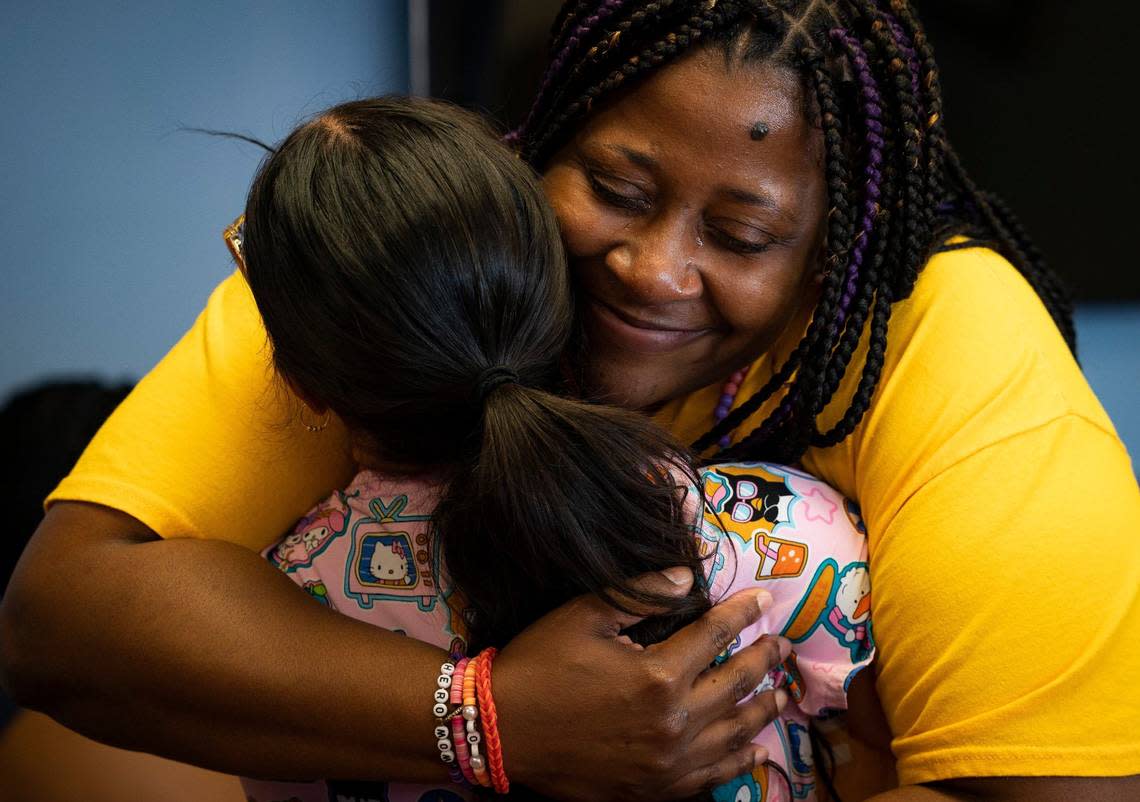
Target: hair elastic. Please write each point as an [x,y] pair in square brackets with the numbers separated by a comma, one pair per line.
[491,378]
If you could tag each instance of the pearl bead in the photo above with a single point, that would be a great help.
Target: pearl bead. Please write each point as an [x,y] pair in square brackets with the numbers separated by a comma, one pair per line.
[470,712]
[477,762]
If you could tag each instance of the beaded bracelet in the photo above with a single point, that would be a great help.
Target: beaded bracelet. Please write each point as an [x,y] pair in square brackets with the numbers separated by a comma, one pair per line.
[440,711]
[493,745]
[462,753]
[470,717]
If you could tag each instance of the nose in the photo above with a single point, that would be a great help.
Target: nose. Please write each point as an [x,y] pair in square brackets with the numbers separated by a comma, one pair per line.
[656,263]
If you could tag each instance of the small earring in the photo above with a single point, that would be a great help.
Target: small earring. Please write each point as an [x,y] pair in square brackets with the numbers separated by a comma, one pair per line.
[318,427]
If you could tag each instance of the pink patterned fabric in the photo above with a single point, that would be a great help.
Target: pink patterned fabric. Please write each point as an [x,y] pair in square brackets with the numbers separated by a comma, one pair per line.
[368,552]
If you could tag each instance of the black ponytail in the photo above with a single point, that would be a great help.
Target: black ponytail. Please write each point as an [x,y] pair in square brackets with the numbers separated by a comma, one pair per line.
[561,498]
[411,278]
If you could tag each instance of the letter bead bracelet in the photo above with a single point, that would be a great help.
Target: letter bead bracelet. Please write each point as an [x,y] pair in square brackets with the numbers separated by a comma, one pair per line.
[466,730]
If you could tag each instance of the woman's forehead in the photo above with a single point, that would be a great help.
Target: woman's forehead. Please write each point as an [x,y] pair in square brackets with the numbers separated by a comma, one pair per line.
[701,112]
[709,100]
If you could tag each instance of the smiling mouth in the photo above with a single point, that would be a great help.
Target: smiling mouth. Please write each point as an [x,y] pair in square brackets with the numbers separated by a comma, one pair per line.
[640,336]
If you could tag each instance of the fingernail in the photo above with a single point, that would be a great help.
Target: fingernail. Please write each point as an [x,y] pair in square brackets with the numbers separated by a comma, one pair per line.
[759,756]
[679,575]
[763,600]
[785,646]
[781,699]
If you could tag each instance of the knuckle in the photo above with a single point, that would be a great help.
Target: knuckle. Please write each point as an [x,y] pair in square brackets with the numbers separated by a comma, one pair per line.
[674,724]
[662,681]
[739,735]
[718,632]
[659,765]
[771,651]
[742,683]
[715,775]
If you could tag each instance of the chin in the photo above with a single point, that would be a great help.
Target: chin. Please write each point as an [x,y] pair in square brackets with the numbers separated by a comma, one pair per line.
[634,383]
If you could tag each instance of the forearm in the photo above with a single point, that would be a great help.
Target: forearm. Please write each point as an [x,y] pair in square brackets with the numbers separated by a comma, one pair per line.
[201,651]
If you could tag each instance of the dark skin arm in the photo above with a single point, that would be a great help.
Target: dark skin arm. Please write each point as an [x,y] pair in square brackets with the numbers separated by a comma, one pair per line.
[201,651]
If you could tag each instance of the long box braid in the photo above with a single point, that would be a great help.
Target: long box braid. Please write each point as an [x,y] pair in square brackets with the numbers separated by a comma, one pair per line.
[897,191]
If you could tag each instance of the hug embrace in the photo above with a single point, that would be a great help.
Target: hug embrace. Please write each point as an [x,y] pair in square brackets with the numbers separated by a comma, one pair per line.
[712,434]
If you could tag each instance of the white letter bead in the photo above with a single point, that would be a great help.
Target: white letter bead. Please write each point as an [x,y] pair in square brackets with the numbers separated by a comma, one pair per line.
[474,738]
[477,762]
[470,712]
[442,732]
[447,668]
[443,744]
[440,710]
[447,757]
[442,695]
[444,680]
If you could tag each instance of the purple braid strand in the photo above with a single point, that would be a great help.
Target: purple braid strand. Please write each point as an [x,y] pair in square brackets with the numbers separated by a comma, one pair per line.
[872,117]
[607,8]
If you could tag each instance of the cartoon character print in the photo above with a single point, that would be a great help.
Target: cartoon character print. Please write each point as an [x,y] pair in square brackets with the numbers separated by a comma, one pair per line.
[841,602]
[849,618]
[392,556]
[752,502]
[316,588]
[389,563]
[800,760]
[309,538]
[745,788]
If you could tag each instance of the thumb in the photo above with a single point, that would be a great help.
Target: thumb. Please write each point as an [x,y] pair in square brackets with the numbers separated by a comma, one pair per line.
[676,581]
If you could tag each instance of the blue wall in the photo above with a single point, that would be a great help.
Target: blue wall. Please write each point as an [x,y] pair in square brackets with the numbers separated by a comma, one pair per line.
[110,230]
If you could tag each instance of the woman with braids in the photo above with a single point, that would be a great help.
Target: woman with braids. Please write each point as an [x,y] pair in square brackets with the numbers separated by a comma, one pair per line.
[779,255]
[485,498]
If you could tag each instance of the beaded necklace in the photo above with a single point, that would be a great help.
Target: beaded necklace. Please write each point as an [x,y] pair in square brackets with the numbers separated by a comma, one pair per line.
[727,399]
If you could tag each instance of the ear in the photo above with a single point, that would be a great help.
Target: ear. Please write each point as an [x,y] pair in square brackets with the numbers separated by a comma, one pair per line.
[305,398]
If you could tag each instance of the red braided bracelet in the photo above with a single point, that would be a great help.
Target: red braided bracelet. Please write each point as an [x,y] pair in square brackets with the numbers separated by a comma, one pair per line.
[490,717]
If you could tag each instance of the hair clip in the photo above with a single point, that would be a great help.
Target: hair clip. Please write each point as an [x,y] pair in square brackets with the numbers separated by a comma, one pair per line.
[233,236]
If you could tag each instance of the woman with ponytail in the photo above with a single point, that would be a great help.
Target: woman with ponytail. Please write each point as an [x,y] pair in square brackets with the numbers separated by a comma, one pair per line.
[436,318]
[776,250]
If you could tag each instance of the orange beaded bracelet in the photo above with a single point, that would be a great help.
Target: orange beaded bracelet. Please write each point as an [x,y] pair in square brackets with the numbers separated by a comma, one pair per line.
[490,717]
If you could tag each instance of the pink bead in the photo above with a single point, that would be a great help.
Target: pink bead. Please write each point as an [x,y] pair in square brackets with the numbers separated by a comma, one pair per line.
[732,388]
[740,375]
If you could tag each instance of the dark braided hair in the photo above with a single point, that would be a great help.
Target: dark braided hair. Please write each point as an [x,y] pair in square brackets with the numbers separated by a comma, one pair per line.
[897,191]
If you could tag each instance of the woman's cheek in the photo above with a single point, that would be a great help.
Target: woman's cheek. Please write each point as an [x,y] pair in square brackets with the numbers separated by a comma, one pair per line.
[576,209]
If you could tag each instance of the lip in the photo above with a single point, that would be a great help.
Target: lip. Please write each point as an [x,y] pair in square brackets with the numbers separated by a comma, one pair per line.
[640,336]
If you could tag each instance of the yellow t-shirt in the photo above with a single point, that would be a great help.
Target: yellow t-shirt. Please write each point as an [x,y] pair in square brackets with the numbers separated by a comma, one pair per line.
[1002,513]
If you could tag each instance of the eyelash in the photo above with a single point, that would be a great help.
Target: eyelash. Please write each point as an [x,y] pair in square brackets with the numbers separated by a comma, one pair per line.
[614,198]
[626,203]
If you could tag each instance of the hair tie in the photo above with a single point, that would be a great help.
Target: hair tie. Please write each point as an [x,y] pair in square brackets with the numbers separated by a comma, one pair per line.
[491,378]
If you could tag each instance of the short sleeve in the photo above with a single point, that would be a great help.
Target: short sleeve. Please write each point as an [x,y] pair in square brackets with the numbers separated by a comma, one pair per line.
[208,444]
[1007,612]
